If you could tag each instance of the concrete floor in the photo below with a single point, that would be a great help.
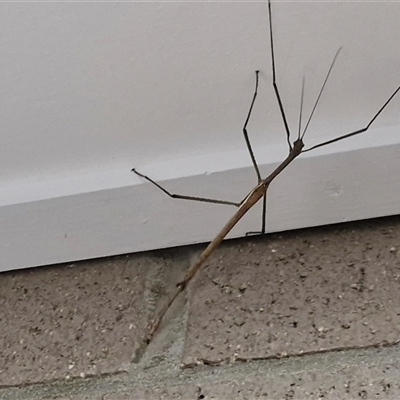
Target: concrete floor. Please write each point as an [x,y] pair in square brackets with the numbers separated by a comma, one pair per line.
[306,314]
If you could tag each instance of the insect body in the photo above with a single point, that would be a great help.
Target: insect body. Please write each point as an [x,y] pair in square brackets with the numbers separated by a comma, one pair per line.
[260,190]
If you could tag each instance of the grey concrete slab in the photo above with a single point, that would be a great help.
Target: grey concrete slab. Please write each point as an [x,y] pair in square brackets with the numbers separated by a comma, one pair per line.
[371,373]
[340,284]
[362,374]
[76,320]
[84,397]
[300,292]
[346,384]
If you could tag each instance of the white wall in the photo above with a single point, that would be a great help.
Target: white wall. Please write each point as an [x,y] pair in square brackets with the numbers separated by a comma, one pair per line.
[89,90]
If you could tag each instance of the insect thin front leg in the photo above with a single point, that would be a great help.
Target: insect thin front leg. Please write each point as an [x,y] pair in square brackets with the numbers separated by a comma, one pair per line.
[274,84]
[253,160]
[184,197]
[283,115]
[246,135]
[357,132]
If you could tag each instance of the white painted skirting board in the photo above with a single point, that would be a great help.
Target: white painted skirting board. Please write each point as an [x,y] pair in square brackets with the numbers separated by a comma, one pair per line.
[130,215]
[91,89]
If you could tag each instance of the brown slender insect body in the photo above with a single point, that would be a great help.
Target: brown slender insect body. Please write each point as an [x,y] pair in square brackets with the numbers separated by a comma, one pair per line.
[259,191]
[251,199]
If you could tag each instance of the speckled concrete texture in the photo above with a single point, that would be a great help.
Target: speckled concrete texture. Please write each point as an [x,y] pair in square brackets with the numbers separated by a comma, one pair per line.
[302,292]
[69,320]
[309,314]
[77,320]
[355,374]
[339,384]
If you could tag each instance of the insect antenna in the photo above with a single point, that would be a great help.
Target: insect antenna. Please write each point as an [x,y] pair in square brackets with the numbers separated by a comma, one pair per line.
[301,106]
[320,92]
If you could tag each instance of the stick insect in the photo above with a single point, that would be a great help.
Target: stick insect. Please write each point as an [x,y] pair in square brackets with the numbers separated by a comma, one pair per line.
[260,190]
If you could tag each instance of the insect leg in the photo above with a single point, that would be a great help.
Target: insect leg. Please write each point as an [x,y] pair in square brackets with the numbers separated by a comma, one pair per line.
[347,135]
[274,84]
[184,197]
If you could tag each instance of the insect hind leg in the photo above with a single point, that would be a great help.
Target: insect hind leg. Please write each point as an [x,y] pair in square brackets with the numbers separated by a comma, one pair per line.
[184,197]
[263,221]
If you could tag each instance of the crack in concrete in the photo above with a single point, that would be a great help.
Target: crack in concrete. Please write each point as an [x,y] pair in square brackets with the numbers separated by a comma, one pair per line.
[166,375]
